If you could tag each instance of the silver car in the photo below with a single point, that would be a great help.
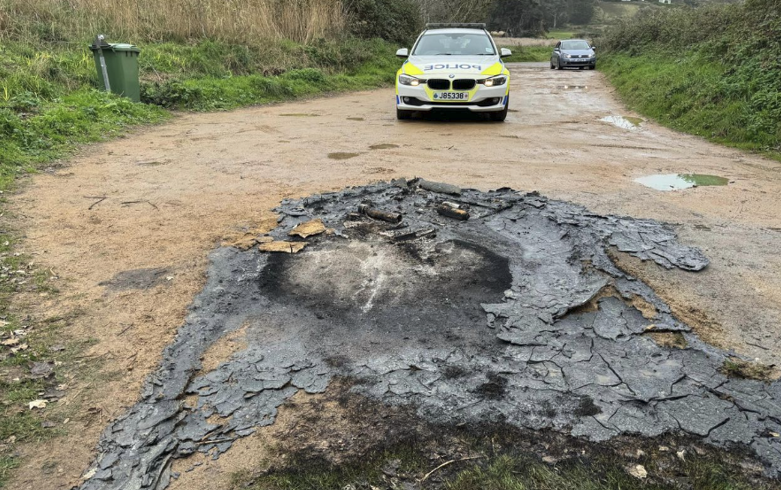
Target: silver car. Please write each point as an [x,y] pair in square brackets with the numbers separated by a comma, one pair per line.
[573,53]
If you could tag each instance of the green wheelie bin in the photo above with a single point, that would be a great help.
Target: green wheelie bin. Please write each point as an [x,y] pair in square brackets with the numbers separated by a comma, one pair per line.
[117,66]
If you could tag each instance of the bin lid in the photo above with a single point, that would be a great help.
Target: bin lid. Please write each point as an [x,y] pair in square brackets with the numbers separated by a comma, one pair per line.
[117,47]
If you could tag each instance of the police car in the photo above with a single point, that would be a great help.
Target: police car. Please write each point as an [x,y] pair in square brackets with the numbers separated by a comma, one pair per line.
[453,66]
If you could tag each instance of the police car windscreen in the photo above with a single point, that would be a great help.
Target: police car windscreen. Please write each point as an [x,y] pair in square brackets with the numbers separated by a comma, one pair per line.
[454,44]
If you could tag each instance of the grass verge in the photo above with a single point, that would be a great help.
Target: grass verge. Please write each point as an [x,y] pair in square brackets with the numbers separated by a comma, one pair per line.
[712,71]
[693,94]
[560,34]
[49,103]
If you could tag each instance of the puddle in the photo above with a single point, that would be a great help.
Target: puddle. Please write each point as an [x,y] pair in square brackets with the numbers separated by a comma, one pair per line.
[299,114]
[674,182]
[634,120]
[624,122]
[383,146]
[572,87]
[355,119]
[342,155]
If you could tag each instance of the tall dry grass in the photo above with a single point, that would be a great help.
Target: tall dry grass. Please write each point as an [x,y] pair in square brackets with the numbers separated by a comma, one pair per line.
[245,21]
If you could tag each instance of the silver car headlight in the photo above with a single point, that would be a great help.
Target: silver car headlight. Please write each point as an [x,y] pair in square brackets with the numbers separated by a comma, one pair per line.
[494,81]
[568,56]
[408,80]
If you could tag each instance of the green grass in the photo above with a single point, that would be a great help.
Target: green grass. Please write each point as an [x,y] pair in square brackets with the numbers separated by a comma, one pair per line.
[49,103]
[712,71]
[510,471]
[529,53]
[695,94]
[523,473]
[560,34]
[615,11]
[7,464]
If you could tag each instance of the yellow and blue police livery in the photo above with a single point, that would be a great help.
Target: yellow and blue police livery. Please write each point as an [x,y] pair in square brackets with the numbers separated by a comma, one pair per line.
[453,66]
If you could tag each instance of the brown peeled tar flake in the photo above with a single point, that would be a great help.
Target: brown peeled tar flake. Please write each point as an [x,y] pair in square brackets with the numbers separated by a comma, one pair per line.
[282,246]
[310,228]
[245,243]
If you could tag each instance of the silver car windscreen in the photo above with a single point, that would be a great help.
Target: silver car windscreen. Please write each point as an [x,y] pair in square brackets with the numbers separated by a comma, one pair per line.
[575,45]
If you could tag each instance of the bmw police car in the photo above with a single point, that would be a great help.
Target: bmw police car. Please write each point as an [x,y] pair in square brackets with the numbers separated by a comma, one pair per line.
[453,66]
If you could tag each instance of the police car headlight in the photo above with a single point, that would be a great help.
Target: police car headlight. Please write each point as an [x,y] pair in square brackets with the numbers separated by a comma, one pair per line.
[495,81]
[408,80]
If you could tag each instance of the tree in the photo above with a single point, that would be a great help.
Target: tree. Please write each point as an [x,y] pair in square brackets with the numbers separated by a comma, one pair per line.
[518,17]
[581,11]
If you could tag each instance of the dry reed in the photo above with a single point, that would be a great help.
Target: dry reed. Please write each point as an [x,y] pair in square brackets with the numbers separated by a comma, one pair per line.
[245,21]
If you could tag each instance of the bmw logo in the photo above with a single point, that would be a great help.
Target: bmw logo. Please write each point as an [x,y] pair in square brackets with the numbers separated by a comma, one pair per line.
[452,76]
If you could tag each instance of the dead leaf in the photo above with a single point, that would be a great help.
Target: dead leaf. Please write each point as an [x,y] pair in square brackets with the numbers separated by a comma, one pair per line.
[310,228]
[282,246]
[265,239]
[638,471]
[10,342]
[41,404]
[19,347]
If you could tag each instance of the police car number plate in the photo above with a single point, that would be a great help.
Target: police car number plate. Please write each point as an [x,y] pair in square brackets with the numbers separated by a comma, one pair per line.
[451,95]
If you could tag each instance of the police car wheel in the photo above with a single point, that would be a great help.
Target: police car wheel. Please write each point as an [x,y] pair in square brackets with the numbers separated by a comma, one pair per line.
[500,116]
[403,115]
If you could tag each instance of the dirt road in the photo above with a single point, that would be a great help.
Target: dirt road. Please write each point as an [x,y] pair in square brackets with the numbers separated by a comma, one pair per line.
[174,192]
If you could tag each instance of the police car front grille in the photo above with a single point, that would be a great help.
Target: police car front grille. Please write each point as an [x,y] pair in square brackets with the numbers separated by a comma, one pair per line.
[483,103]
[464,84]
[439,84]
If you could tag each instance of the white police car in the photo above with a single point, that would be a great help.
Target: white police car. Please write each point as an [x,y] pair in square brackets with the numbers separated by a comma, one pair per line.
[453,66]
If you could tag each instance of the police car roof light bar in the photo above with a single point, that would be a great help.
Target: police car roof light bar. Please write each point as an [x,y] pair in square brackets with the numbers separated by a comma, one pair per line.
[463,25]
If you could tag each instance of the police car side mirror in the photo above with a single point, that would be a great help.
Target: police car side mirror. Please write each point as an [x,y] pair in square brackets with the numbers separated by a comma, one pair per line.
[403,53]
[506,52]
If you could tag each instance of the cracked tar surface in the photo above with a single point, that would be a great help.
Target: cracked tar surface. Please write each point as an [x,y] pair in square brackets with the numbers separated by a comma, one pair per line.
[506,317]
